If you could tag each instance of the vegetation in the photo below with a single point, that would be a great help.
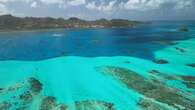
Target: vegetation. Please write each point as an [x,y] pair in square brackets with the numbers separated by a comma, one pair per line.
[9,22]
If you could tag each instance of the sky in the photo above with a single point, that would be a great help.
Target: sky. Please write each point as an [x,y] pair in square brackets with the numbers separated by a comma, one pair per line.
[96,9]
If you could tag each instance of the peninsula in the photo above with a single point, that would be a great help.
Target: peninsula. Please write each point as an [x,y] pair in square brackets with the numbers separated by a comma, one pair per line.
[13,23]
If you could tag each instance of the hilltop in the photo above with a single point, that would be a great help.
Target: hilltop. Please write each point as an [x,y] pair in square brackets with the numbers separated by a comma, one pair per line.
[9,23]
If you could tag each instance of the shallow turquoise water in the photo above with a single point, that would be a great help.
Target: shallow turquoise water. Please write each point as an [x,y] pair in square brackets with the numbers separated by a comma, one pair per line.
[74,77]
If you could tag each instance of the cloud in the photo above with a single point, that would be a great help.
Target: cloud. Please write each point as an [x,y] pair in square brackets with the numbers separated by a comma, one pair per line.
[64,3]
[76,2]
[3,9]
[52,1]
[182,4]
[103,6]
[109,5]
[33,4]
[144,5]
[7,1]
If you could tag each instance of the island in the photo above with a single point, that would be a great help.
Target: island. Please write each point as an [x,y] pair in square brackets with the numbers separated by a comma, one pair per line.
[13,23]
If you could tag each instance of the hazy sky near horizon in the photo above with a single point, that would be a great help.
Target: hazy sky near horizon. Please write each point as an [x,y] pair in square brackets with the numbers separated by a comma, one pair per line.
[94,9]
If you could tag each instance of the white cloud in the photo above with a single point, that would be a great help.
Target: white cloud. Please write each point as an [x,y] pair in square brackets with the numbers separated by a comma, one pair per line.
[184,4]
[64,2]
[33,4]
[76,2]
[102,6]
[6,1]
[105,7]
[52,1]
[143,5]
[3,9]
[91,5]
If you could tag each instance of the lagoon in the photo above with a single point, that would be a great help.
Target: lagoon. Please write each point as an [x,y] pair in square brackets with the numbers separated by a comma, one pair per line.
[99,69]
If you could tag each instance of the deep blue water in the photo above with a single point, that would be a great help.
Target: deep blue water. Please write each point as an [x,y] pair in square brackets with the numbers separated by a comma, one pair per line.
[141,41]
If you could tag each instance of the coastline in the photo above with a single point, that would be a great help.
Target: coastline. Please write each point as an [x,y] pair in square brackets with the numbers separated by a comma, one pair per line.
[30,30]
[9,23]
[52,29]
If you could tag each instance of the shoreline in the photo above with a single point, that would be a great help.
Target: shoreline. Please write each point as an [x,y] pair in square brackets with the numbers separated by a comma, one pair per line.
[52,29]
[11,23]
[30,30]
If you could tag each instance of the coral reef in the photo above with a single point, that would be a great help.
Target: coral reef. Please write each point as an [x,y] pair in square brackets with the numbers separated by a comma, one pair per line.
[21,95]
[188,78]
[156,94]
[48,103]
[93,105]
[166,42]
[160,61]
[149,104]
[189,81]
[180,49]
[163,76]
[26,97]
[5,105]
[31,93]
[35,85]
[190,84]
[148,87]
[191,65]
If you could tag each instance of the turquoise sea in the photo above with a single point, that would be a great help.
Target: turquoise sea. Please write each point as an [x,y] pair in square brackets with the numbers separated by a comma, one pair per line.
[149,67]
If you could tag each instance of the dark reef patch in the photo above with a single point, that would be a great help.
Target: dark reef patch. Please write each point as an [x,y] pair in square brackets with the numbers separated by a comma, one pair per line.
[163,75]
[26,97]
[160,61]
[191,65]
[180,49]
[148,104]
[190,84]
[127,62]
[183,29]
[31,94]
[166,42]
[148,87]
[35,85]
[189,81]
[48,103]
[188,78]
[154,72]
[63,107]
[21,95]
[15,87]
[1,90]
[94,105]
[5,105]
